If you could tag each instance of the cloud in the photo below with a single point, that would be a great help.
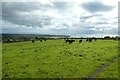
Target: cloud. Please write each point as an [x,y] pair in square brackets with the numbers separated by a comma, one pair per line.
[85,17]
[29,14]
[60,5]
[94,7]
[68,18]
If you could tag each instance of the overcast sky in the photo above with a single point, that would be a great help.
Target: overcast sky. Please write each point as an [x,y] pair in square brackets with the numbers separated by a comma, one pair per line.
[82,18]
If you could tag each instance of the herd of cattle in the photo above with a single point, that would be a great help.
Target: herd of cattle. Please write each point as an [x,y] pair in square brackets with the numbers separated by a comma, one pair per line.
[67,40]
[70,40]
[44,39]
[87,40]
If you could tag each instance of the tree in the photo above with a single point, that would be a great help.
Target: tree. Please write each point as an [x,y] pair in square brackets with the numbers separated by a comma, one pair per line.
[107,37]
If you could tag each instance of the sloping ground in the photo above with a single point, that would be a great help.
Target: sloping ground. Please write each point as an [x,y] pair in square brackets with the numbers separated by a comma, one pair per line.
[56,59]
[110,72]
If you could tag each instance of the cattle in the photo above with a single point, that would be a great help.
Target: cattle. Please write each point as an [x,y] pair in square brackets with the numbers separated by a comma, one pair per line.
[33,41]
[90,39]
[87,40]
[95,39]
[66,40]
[9,41]
[80,41]
[5,41]
[40,40]
[69,41]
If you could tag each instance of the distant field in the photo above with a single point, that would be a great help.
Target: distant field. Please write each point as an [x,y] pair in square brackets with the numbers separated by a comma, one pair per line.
[57,59]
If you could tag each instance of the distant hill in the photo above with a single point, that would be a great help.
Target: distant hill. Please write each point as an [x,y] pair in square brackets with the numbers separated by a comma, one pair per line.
[30,36]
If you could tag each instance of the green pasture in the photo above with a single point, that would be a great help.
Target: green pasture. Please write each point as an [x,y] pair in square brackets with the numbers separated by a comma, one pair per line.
[57,59]
[112,71]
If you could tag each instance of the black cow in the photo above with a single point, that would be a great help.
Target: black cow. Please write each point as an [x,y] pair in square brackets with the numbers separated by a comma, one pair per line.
[66,40]
[87,40]
[33,41]
[80,41]
[95,39]
[40,40]
[69,41]
[90,39]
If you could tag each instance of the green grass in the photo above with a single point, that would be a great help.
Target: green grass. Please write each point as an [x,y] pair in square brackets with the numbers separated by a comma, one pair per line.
[0,61]
[56,59]
[110,71]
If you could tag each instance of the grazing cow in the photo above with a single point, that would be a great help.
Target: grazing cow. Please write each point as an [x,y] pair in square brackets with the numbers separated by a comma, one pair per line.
[36,38]
[66,40]
[69,41]
[33,41]
[86,40]
[80,41]
[40,40]
[90,39]
[95,39]
[9,41]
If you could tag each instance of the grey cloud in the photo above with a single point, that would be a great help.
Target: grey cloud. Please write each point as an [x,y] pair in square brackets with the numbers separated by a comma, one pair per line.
[83,18]
[22,14]
[59,30]
[104,22]
[12,12]
[24,6]
[96,7]
[67,25]
[113,31]
[62,6]
[86,31]
[94,15]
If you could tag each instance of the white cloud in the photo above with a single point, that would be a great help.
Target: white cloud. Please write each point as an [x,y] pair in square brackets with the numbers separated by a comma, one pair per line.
[60,18]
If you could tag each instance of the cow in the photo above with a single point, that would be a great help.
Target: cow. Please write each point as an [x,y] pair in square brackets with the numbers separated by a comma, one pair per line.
[33,41]
[40,40]
[90,39]
[80,41]
[95,39]
[87,40]
[9,41]
[66,40]
[69,41]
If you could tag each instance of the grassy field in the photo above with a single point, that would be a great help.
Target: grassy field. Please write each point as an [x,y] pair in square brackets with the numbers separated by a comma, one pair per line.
[56,59]
[110,72]
[0,61]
